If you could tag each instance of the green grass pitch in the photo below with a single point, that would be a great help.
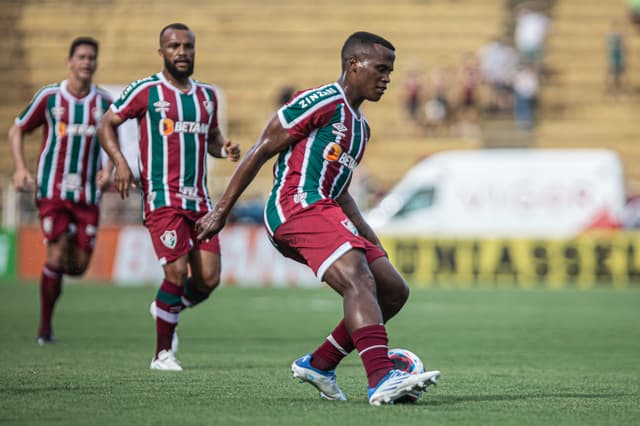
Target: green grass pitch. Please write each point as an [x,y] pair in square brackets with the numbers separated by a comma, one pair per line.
[507,356]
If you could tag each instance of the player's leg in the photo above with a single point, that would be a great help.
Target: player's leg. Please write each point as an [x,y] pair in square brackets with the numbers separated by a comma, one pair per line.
[352,278]
[82,232]
[169,302]
[170,236]
[392,290]
[54,221]
[392,293]
[204,260]
[51,286]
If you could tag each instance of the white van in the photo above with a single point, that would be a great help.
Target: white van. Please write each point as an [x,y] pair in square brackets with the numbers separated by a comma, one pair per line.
[546,193]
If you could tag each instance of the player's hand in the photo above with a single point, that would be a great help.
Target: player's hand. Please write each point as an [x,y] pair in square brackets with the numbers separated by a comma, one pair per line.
[210,224]
[123,179]
[103,179]
[23,180]
[232,150]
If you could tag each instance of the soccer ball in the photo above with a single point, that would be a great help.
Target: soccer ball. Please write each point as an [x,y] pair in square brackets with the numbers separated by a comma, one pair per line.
[405,360]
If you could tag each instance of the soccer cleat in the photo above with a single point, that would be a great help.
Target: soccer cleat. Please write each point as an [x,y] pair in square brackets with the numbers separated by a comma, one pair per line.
[165,361]
[324,381]
[397,384]
[174,340]
[45,340]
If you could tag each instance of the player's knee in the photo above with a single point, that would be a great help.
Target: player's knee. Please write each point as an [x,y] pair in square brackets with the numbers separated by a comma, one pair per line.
[76,269]
[211,281]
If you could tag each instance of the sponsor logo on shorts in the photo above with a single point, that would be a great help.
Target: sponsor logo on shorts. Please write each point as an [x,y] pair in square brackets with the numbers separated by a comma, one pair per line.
[350,226]
[169,239]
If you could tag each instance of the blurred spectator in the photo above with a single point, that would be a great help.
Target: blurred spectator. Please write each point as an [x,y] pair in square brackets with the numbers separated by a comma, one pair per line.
[615,59]
[498,62]
[285,93]
[437,108]
[470,78]
[413,94]
[634,12]
[467,109]
[530,32]
[526,85]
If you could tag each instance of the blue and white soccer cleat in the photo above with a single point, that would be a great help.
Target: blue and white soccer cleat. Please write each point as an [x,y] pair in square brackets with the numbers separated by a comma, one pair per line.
[397,384]
[324,381]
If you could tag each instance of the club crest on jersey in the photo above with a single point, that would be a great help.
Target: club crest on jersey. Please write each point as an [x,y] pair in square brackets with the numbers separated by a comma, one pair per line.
[162,106]
[332,152]
[208,105]
[167,127]
[57,112]
[350,226]
[169,239]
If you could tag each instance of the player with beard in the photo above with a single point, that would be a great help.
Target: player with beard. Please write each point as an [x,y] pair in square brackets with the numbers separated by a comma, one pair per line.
[178,126]
[320,136]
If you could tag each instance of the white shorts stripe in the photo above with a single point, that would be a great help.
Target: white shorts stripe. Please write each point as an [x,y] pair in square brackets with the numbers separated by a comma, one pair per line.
[345,247]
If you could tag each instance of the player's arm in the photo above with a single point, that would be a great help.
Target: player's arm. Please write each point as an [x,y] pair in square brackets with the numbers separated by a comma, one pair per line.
[351,209]
[108,136]
[218,147]
[22,178]
[274,139]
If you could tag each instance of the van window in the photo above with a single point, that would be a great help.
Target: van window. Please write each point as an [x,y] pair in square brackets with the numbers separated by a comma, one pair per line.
[419,200]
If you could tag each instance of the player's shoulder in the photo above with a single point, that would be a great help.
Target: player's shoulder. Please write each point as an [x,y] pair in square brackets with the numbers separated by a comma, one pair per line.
[104,93]
[139,84]
[308,98]
[207,86]
[48,89]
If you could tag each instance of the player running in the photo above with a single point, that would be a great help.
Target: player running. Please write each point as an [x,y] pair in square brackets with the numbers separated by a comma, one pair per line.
[69,178]
[178,126]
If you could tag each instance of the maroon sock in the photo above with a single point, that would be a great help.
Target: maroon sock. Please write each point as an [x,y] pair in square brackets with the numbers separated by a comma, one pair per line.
[168,307]
[338,345]
[50,290]
[372,344]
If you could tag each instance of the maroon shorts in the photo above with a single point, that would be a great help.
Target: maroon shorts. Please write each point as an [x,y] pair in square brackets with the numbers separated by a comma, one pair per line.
[320,235]
[79,220]
[173,233]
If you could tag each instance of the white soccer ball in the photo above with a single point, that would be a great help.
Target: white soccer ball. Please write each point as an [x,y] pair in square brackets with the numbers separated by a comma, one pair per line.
[405,360]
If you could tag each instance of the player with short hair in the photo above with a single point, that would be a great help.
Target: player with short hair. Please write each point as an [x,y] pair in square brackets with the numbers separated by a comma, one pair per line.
[320,136]
[69,177]
[178,126]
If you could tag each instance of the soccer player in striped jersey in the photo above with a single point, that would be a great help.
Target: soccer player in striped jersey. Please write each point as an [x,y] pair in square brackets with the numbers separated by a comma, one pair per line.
[178,126]
[319,137]
[69,175]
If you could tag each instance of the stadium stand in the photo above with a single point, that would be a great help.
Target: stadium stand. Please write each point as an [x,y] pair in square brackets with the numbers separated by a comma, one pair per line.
[576,110]
[251,49]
